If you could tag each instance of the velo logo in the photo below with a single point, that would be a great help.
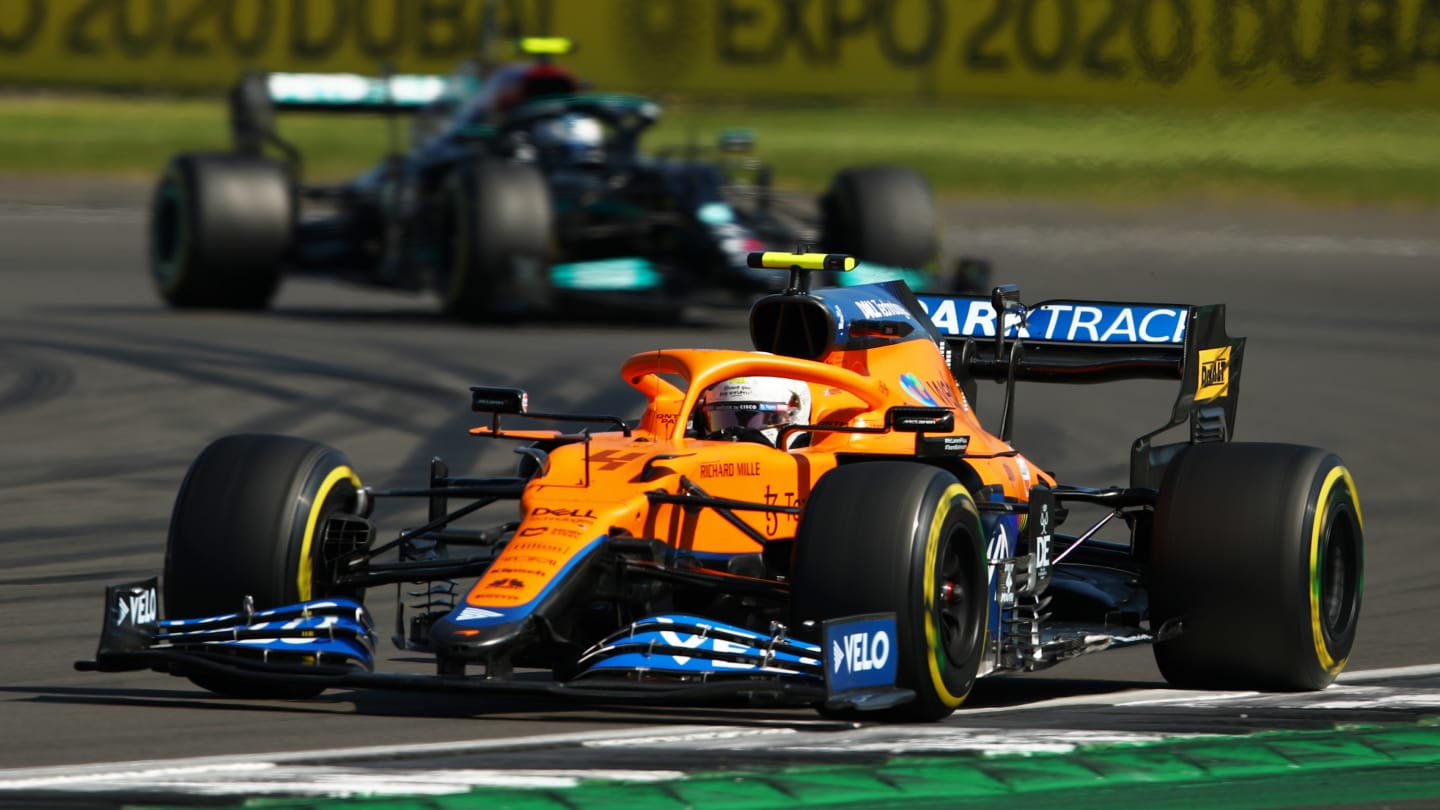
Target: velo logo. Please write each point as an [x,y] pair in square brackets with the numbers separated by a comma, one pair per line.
[860,653]
[137,607]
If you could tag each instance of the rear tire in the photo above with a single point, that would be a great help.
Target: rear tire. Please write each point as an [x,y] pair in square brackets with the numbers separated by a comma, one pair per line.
[882,215]
[250,520]
[499,226]
[1258,553]
[219,226]
[888,537]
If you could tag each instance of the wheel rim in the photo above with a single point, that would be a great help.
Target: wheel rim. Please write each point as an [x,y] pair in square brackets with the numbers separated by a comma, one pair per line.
[955,605]
[339,538]
[167,235]
[335,491]
[1339,580]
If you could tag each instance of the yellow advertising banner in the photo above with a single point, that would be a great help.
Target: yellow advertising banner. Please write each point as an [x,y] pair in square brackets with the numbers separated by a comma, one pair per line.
[1184,51]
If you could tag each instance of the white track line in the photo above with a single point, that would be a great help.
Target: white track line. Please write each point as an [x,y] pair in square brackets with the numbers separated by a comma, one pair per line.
[331,754]
[1364,675]
[271,766]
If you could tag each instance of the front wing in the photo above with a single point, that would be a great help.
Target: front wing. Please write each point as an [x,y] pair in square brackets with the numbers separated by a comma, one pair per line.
[331,643]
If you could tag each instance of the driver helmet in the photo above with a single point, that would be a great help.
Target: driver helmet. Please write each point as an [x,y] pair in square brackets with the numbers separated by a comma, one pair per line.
[520,84]
[545,79]
[572,138]
[765,404]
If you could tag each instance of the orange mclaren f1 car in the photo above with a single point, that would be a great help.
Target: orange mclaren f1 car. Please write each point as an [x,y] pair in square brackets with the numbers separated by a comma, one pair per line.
[872,560]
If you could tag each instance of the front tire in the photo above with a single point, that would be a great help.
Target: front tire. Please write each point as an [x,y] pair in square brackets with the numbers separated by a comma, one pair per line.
[252,519]
[220,225]
[1258,555]
[498,226]
[900,537]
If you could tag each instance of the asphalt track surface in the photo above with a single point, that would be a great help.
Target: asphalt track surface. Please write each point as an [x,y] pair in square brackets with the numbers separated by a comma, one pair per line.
[106,396]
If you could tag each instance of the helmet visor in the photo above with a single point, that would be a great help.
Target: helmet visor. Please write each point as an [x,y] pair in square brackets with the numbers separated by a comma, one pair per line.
[756,415]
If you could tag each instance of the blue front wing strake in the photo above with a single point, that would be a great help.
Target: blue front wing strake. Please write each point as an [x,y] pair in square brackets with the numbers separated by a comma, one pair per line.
[329,633]
[689,647]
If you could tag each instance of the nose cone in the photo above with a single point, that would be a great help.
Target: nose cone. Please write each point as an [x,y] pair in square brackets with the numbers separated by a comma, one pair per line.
[524,598]
[466,636]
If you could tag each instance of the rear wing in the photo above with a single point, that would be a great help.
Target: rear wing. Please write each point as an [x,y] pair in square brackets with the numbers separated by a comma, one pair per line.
[259,95]
[349,92]
[1071,341]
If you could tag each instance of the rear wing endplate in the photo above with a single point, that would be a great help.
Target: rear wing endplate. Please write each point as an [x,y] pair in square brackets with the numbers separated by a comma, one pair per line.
[1073,341]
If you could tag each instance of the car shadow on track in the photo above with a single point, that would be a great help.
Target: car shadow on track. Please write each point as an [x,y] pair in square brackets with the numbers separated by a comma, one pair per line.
[378,703]
[1018,691]
[995,693]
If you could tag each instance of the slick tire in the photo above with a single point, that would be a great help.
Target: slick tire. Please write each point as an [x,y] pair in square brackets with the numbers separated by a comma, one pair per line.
[1258,558]
[882,215]
[251,518]
[889,536]
[220,225]
[499,227]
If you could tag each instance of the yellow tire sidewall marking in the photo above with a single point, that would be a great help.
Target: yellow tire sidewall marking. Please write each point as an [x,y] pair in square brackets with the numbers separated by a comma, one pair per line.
[1322,650]
[304,577]
[932,633]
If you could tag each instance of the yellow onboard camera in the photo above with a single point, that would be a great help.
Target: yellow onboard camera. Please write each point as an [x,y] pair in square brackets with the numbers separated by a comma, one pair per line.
[776,260]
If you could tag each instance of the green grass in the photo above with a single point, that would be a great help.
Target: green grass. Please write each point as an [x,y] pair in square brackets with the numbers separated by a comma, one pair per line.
[1316,154]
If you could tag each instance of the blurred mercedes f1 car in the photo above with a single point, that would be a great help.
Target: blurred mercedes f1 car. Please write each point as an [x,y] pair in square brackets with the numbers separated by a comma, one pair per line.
[874,569]
[518,191]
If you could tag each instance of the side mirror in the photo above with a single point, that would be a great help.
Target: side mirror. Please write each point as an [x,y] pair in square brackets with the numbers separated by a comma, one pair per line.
[917,419]
[484,399]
